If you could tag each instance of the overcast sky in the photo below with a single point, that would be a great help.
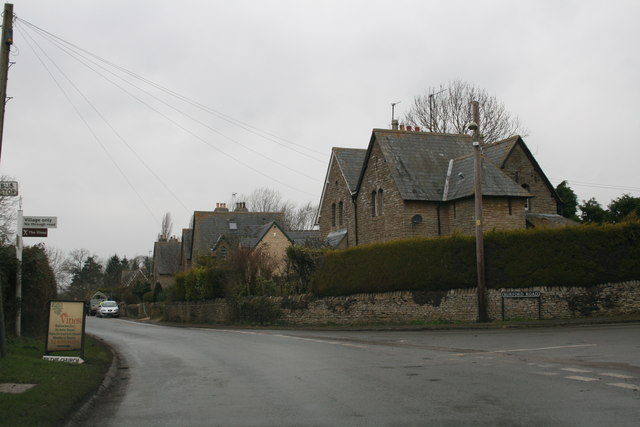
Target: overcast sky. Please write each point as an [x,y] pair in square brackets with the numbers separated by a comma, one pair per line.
[301,77]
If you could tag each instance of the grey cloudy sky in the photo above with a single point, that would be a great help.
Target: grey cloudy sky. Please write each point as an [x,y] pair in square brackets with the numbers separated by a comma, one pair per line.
[313,74]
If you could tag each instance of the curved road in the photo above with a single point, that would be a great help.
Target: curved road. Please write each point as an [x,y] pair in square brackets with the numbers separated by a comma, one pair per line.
[578,376]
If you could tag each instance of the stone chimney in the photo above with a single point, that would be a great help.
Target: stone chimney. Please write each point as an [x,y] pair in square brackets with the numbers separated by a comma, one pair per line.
[394,124]
[241,207]
[221,207]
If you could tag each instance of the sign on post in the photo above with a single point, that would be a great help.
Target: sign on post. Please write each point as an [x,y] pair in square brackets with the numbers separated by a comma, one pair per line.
[34,232]
[65,329]
[40,222]
[8,188]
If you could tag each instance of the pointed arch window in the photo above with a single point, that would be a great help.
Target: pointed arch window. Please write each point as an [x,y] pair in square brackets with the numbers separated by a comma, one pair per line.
[373,203]
[340,213]
[380,202]
[333,215]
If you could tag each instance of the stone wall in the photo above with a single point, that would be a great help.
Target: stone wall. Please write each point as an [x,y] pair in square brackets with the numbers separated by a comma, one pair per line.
[458,305]
[521,170]
[336,191]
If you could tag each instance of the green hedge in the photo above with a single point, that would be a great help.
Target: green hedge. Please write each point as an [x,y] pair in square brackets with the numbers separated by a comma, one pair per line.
[572,256]
[199,283]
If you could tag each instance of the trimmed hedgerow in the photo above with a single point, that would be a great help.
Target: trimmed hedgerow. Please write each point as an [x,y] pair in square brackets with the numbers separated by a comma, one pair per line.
[572,256]
[413,264]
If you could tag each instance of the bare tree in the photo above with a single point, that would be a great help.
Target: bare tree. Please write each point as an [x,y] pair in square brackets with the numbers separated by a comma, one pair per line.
[302,218]
[57,260]
[446,110]
[75,261]
[166,227]
[8,212]
[269,200]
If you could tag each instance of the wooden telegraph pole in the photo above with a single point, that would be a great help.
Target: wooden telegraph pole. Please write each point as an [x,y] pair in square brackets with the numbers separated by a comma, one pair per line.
[7,41]
[475,127]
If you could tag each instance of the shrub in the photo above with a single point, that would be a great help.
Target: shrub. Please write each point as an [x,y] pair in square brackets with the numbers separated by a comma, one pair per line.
[254,310]
[571,256]
[200,283]
[412,264]
[304,262]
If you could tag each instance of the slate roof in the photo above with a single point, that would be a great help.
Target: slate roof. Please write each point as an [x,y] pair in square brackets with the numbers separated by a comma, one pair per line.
[187,238]
[419,164]
[494,181]
[350,161]
[166,257]
[305,237]
[210,227]
[538,220]
[336,237]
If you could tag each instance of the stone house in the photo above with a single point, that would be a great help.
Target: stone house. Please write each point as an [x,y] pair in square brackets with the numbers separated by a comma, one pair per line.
[411,183]
[214,234]
[166,262]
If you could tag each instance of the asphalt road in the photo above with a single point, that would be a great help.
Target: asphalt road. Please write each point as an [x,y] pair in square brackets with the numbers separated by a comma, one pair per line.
[572,376]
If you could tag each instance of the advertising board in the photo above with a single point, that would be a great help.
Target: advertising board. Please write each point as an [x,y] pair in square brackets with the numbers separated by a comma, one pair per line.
[65,331]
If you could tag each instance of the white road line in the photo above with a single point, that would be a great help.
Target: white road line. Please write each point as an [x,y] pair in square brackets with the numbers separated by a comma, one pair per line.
[623,377]
[576,370]
[543,348]
[625,385]
[579,378]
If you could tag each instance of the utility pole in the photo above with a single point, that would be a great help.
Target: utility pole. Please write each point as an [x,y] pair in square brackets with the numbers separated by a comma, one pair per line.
[19,272]
[7,41]
[475,127]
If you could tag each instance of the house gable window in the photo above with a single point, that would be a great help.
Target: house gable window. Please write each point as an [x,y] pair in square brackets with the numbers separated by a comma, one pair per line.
[373,203]
[340,213]
[527,201]
[333,215]
[380,202]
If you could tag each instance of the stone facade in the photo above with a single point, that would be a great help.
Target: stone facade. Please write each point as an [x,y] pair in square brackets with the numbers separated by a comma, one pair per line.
[398,197]
[338,211]
[458,305]
[521,167]
[275,243]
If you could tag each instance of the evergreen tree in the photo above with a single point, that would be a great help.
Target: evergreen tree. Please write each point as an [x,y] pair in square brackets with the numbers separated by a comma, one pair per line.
[86,280]
[592,213]
[624,207]
[569,206]
[113,272]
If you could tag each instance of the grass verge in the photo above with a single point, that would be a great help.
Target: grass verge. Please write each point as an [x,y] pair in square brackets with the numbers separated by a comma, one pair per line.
[60,387]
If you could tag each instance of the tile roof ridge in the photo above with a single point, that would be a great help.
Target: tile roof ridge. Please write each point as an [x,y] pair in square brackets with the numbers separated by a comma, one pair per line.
[503,141]
[420,132]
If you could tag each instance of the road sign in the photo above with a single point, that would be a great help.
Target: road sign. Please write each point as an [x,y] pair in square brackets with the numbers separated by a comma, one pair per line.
[34,232]
[40,222]
[8,188]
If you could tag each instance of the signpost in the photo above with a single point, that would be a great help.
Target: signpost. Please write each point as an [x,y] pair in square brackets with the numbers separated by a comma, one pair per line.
[65,330]
[40,221]
[28,226]
[523,294]
[34,232]
[8,188]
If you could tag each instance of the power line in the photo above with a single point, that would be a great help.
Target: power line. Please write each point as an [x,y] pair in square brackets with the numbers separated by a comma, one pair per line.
[57,41]
[95,136]
[256,131]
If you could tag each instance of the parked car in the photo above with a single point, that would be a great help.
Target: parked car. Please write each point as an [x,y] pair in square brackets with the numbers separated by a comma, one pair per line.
[108,309]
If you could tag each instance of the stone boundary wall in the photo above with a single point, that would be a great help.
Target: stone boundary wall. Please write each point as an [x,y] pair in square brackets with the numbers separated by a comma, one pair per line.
[611,299]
